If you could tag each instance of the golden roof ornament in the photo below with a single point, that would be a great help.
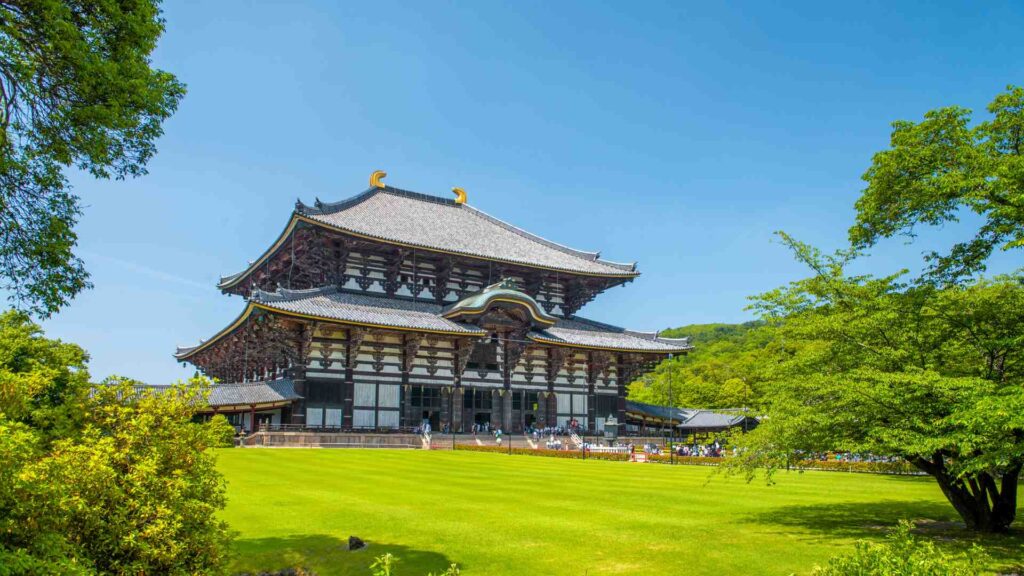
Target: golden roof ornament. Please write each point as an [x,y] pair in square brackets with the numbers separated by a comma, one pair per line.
[377,179]
[460,195]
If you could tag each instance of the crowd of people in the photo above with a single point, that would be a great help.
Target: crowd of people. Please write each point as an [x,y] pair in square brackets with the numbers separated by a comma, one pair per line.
[712,450]
[849,457]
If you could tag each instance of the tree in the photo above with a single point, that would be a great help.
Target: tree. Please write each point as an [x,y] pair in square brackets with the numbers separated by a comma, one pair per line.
[107,479]
[941,166]
[875,365]
[76,90]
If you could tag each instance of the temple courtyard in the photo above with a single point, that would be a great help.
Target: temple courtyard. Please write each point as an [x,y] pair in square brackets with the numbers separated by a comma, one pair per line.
[515,515]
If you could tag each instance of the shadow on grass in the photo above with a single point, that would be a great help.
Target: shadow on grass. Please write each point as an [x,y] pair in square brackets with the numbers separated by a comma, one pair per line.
[329,555]
[872,520]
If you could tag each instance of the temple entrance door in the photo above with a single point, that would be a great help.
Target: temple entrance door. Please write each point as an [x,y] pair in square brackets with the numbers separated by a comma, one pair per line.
[529,420]
[434,417]
[482,418]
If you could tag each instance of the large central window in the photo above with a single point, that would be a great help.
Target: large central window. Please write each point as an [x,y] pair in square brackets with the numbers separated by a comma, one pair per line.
[484,356]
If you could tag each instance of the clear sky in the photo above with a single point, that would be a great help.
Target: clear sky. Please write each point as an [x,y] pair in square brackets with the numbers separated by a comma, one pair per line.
[680,136]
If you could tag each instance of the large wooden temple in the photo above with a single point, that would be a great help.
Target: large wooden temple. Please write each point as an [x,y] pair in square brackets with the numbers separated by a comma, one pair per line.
[394,307]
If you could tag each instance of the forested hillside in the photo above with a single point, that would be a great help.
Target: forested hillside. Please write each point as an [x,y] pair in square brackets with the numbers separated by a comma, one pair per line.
[720,373]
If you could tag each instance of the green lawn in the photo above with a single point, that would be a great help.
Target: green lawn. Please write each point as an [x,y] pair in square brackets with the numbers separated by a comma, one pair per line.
[503,515]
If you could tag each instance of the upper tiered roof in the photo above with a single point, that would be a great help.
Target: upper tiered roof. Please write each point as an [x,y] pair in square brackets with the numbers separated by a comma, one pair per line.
[411,219]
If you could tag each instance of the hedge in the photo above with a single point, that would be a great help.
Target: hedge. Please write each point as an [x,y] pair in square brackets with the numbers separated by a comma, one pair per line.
[899,467]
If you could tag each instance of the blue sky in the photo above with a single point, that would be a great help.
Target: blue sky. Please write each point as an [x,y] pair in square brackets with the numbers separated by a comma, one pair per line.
[678,136]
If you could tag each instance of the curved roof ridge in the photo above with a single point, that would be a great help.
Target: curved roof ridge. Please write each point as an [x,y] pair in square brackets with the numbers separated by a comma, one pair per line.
[593,256]
[320,207]
[283,294]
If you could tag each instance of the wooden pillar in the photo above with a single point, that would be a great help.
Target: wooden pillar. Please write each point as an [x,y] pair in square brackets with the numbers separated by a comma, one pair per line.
[495,409]
[506,411]
[506,383]
[298,374]
[348,386]
[457,400]
[620,399]
[591,397]
[447,405]
[252,418]
[552,408]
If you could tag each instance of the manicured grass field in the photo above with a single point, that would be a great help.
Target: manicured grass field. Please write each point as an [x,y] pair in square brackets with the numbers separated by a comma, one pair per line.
[521,515]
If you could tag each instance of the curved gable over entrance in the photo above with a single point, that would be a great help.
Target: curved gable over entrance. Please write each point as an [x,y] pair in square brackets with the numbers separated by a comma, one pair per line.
[500,305]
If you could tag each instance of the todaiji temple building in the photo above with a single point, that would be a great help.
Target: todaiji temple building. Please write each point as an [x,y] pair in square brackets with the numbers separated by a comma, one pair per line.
[392,308]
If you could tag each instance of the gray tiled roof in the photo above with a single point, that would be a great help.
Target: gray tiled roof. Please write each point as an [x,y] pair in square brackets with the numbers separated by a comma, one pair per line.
[243,393]
[344,306]
[438,223]
[331,303]
[653,410]
[706,419]
[583,332]
[689,418]
[252,393]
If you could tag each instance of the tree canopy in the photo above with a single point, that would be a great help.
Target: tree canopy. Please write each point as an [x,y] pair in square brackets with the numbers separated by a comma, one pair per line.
[107,479]
[886,367]
[941,166]
[77,90]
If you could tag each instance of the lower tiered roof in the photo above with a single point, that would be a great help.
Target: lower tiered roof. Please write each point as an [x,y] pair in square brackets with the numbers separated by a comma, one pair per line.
[329,304]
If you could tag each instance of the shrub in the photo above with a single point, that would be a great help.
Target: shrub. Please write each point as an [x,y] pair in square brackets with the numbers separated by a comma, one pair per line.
[108,479]
[903,555]
[222,430]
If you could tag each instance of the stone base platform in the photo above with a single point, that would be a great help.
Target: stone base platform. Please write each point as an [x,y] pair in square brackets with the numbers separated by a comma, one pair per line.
[280,439]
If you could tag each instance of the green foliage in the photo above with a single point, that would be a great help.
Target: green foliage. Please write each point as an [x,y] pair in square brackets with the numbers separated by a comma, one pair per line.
[903,555]
[76,90]
[941,166]
[222,430]
[384,564]
[105,479]
[723,371]
[452,570]
[873,365]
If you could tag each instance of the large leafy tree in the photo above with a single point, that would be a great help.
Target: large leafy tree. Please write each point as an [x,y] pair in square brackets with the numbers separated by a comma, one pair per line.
[942,166]
[77,90]
[881,366]
[107,479]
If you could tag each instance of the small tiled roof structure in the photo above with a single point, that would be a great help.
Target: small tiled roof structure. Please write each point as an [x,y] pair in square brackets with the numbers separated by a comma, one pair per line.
[711,421]
[692,420]
[240,394]
[654,411]
[332,304]
[416,220]
[249,393]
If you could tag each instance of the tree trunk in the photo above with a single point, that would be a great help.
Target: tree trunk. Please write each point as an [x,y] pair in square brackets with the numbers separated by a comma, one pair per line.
[985,503]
